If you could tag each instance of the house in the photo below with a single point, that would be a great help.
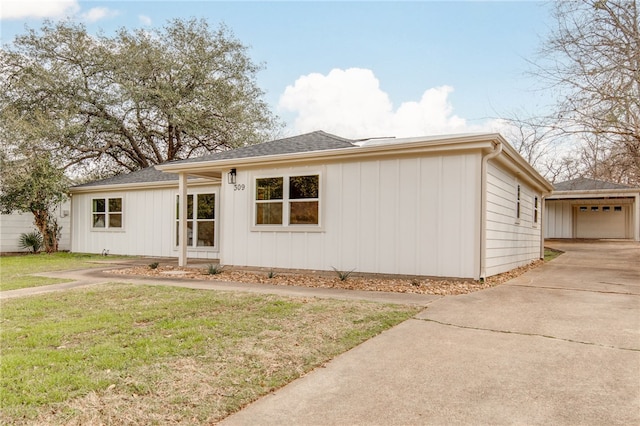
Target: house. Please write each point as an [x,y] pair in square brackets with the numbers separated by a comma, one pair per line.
[14,224]
[465,206]
[588,208]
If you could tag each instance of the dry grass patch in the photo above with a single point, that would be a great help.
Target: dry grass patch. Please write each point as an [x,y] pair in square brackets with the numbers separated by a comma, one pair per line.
[121,354]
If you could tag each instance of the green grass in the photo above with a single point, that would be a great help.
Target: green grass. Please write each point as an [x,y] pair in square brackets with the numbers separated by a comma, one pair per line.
[15,270]
[116,353]
[550,254]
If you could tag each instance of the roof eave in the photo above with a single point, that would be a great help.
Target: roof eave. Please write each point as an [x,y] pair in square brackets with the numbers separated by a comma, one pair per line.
[400,146]
[136,186]
[586,193]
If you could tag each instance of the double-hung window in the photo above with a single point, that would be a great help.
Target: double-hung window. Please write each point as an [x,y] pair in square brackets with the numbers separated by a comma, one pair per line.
[288,201]
[106,213]
[201,228]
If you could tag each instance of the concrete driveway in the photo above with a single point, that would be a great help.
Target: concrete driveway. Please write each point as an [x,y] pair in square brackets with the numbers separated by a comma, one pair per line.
[557,345]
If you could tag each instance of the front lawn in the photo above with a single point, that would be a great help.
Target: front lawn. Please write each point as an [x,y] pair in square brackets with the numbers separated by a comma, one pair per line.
[123,354]
[15,271]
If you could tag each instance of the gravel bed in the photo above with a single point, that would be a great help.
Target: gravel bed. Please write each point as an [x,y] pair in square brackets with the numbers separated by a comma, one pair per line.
[420,285]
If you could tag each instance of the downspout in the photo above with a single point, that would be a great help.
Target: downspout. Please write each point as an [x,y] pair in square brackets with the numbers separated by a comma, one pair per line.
[483,208]
[542,213]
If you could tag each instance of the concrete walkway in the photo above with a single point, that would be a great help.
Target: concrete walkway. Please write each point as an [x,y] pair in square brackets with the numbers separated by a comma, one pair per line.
[558,345]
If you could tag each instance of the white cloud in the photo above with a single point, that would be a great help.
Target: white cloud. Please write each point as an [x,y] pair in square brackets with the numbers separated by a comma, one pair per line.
[20,9]
[350,103]
[144,20]
[97,13]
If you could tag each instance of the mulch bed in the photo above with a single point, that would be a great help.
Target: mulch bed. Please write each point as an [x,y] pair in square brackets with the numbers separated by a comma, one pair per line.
[419,285]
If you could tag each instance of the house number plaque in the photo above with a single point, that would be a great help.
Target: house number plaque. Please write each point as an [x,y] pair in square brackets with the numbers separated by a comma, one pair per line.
[238,187]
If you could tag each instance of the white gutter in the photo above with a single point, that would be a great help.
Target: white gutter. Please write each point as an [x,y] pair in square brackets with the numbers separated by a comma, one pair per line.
[400,147]
[483,208]
[140,185]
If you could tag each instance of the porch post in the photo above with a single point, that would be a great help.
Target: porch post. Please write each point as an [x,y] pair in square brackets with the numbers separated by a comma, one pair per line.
[182,221]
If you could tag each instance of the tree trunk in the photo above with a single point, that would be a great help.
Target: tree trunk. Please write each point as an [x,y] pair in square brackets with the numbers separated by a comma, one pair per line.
[42,223]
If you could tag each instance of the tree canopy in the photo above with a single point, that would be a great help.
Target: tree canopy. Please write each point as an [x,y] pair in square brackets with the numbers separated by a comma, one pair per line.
[134,99]
[592,61]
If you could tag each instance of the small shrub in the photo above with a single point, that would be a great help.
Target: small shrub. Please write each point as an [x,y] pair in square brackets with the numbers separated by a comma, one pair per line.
[153,265]
[31,240]
[343,275]
[215,269]
[271,274]
[415,282]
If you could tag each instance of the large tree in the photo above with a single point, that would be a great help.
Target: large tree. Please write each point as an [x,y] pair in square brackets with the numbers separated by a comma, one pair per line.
[592,61]
[134,99]
[32,184]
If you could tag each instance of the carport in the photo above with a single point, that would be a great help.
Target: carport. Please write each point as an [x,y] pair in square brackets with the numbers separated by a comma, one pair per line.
[593,209]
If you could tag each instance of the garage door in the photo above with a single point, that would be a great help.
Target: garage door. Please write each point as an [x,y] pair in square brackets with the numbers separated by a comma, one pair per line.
[602,221]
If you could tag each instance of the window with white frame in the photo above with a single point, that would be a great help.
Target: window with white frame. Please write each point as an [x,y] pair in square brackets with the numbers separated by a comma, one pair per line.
[288,201]
[201,220]
[106,213]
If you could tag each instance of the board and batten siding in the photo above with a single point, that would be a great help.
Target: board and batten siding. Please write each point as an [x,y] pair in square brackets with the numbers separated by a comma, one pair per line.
[149,224]
[558,219]
[410,216]
[15,224]
[511,242]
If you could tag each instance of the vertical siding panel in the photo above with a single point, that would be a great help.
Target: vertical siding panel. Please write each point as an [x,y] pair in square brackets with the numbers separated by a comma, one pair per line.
[368,223]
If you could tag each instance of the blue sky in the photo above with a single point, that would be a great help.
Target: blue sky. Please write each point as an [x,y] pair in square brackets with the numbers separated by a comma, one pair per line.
[357,69]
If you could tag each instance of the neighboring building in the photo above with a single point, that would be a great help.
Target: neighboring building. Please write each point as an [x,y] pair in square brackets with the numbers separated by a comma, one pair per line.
[587,208]
[466,206]
[15,224]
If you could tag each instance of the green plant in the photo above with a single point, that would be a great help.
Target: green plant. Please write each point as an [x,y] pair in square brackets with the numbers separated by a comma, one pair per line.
[271,274]
[215,269]
[343,275]
[31,240]
[153,265]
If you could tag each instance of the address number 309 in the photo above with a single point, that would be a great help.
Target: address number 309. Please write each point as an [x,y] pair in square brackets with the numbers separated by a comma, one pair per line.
[238,187]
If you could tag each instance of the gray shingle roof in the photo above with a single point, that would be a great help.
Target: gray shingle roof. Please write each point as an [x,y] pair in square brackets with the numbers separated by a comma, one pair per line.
[584,184]
[315,141]
[150,174]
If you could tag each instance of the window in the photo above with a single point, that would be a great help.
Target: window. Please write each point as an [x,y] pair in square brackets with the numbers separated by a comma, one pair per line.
[535,209]
[269,194]
[518,204]
[594,208]
[617,208]
[106,213]
[583,208]
[606,208]
[201,229]
[293,200]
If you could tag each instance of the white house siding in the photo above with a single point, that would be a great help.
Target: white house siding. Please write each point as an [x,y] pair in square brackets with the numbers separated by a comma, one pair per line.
[414,216]
[12,225]
[510,242]
[558,219]
[149,224]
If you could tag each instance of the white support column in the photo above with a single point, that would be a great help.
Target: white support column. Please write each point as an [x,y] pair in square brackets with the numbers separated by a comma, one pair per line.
[636,218]
[182,221]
